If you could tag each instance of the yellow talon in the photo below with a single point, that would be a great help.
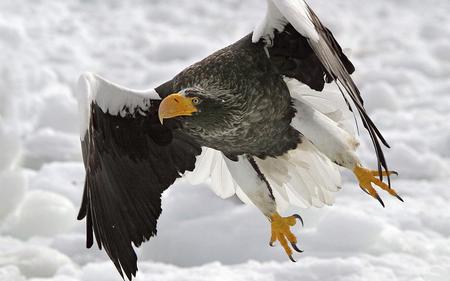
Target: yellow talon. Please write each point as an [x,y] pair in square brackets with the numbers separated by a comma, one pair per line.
[367,177]
[281,232]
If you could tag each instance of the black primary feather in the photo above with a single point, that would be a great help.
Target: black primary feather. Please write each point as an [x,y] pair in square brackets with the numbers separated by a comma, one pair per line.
[328,54]
[129,162]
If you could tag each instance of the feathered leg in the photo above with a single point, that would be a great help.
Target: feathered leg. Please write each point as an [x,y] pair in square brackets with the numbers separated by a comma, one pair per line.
[248,176]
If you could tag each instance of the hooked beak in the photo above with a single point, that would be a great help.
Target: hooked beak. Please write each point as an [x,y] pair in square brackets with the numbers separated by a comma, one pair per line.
[175,105]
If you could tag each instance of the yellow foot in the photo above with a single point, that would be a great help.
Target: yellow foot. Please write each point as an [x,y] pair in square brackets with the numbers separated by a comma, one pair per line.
[281,232]
[367,177]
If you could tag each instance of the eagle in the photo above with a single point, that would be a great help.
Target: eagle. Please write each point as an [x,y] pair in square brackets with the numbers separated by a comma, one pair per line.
[252,118]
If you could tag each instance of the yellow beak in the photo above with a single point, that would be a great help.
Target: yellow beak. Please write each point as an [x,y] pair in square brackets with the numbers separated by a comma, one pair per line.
[175,105]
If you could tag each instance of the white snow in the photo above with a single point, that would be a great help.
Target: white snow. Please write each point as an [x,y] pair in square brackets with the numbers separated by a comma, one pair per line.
[11,147]
[401,52]
[48,145]
[13,188]
[42,213]
[31,259]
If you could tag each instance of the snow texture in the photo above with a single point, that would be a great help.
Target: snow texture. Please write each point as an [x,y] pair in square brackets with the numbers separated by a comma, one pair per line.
[401,50]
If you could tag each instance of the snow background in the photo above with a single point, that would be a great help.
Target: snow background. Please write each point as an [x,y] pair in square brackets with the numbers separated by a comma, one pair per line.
[401,50]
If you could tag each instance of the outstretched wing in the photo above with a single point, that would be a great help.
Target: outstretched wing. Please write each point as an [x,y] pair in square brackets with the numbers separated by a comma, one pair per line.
[303,48]
[130,159]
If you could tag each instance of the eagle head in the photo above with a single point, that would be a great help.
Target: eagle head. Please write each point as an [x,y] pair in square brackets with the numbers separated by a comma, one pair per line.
[195,104]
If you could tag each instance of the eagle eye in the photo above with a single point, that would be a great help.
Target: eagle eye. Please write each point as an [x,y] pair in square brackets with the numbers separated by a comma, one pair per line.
[195,100]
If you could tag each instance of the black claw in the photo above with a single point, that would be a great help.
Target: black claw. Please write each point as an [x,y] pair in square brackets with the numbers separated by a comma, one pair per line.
[299,218]
[399,198]
[291,258]
[294,246]
[394,173]
[379,200]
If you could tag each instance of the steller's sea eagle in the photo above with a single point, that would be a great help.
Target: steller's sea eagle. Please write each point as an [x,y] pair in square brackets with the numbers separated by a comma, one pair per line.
[242,117]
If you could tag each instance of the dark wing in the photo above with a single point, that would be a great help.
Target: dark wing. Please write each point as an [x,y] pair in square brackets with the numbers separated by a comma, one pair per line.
[130,159]
[303,48]
[292,55]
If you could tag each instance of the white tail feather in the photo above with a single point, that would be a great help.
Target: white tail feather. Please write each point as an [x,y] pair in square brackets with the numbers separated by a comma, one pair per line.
[211,166]
[303,177]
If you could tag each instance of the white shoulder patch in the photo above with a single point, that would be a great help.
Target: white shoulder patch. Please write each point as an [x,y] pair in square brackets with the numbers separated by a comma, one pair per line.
[281,12]
[109,97]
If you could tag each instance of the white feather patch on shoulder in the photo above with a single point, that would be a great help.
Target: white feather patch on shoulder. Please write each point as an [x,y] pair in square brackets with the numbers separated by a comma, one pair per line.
[110,97]
[281,12]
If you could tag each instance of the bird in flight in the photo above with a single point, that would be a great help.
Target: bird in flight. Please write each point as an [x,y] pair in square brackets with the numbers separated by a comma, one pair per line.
[253,118]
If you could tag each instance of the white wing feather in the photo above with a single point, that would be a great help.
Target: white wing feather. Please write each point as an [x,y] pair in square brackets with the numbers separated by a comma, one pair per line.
[279,13]
[302,177]
[329,102]
[211,168]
